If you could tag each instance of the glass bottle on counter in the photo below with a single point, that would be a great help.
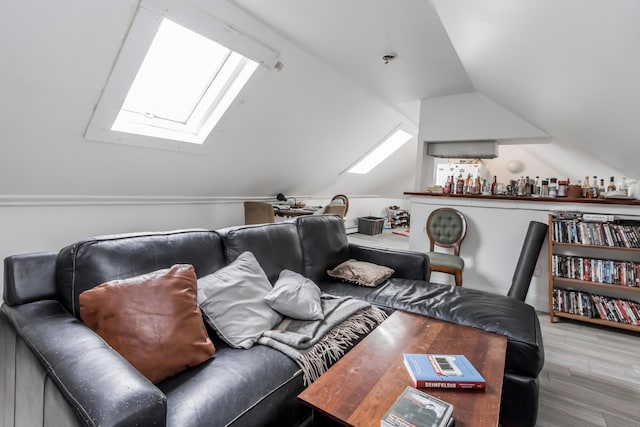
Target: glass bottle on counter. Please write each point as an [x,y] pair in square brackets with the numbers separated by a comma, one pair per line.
[468,185]
[601,188]
[612,185]
[623,186]
[494,184]
[486,187]
[586,188]
[446,189]
[520,186]
[536,187]
[544,188]
[553,187]
[460,185]
[594,187]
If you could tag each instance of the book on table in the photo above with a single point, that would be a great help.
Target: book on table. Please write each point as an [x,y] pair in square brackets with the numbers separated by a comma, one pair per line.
[415,408]
[443,371]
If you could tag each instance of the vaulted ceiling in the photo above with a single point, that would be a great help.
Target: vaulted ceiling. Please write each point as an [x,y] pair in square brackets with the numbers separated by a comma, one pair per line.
[568,67]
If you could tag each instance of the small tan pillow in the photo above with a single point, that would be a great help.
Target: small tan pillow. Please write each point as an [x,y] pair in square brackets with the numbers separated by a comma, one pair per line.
[361,273]
[152,320]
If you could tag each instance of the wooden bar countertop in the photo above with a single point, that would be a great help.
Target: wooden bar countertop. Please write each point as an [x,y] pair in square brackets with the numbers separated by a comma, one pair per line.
[608,201]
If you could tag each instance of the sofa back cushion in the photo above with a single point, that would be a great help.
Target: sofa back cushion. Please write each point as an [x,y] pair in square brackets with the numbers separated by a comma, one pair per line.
[88,263]
[324,244]
[275,246]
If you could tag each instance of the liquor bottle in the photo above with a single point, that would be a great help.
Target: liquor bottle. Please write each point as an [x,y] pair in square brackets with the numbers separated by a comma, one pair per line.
[601,188]
[527,186]
[494,184]
[553,187]
[468,185]
[477,186]
[520,186]
[460,185]
[623,186]
[594,187]
[612,185]
[586,188]
[537,187]
[446,189]
[486,187]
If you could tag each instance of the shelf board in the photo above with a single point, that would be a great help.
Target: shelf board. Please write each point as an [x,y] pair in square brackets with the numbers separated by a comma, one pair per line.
[618,325]
[595,284]
[601,247]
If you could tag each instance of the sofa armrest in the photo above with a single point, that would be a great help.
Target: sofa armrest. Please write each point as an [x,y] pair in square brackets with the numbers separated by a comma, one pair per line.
[29,277]
[407,264]
[99,385]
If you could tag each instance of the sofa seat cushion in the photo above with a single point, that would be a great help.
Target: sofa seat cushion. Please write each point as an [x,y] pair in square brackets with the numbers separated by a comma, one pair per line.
[445,260]
[253,387]
[463,306]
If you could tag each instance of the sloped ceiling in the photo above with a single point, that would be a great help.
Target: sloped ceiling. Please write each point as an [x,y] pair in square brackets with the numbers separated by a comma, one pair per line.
[569,67]
[566,66]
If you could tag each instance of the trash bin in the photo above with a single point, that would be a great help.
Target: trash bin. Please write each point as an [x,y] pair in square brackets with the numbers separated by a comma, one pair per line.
[370,225]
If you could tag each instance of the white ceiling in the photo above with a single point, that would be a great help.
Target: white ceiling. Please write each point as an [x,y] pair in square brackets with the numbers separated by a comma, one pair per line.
[568,67]
[352,36]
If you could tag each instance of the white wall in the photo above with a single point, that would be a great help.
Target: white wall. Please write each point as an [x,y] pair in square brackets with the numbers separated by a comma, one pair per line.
[291,131]
[34,224]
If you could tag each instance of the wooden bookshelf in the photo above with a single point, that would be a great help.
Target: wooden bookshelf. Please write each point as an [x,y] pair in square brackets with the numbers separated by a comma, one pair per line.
[577,293]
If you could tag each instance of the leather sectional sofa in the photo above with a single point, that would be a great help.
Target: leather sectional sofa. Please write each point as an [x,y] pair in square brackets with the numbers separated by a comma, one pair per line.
[56,371]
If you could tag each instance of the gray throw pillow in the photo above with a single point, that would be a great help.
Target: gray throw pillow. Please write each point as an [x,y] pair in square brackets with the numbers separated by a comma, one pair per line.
[296,297]
[232,301]
[361,273]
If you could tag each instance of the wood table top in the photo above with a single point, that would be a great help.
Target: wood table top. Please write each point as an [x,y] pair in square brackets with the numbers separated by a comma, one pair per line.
[294,212]
[359,388]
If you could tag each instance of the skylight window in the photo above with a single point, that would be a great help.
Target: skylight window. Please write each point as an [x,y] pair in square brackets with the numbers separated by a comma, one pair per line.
[178,70]
[183,87]
[386,148]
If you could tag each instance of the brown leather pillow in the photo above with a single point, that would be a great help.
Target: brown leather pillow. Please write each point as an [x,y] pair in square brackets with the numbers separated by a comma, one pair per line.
[152,320]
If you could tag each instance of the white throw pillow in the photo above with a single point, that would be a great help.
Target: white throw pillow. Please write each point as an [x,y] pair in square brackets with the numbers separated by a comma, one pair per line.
[296,297]
[232,301]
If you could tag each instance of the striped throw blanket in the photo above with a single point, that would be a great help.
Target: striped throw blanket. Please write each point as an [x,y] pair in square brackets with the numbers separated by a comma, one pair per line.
[316,344]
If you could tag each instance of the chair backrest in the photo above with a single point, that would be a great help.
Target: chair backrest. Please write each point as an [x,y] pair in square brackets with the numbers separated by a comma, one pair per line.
[258,213]
[446,227]
[339,210]
[340,200]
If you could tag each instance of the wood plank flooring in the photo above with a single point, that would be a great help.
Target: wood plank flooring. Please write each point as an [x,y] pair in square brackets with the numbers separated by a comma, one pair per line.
[591,375]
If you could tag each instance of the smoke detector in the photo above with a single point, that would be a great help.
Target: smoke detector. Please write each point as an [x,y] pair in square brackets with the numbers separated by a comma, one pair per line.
[388,57]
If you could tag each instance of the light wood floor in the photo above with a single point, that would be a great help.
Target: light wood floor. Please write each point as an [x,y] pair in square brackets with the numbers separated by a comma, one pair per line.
[591,375]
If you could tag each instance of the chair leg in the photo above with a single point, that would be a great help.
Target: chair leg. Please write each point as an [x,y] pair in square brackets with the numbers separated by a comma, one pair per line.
[458,278]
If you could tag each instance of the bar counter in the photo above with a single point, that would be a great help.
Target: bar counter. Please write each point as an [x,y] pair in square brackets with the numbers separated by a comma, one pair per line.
[496,227]
[609,201]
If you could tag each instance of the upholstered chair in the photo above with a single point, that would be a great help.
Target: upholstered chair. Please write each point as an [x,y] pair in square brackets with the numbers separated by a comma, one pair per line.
[258,213]
[446,228]
[340,200]
[339,210]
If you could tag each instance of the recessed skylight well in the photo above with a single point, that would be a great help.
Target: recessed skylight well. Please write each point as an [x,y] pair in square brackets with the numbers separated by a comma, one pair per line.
[171,85]
[384,149]
[183,86]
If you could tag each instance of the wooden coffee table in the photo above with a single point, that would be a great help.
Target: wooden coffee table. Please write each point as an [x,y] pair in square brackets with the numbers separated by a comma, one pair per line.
[362,386]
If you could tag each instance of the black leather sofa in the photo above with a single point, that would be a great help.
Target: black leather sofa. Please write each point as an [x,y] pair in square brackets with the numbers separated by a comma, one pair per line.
[56,371]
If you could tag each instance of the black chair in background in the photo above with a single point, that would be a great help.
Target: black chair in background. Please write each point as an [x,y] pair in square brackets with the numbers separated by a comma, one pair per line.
[533,241]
